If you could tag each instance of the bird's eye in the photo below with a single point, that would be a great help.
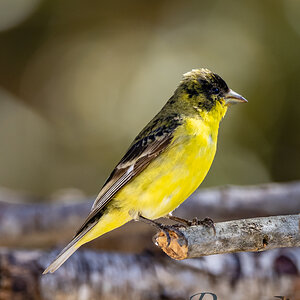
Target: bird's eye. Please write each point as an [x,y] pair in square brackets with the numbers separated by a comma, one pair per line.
[215,90]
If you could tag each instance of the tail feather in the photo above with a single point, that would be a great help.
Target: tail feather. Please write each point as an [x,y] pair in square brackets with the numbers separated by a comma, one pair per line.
[68,250]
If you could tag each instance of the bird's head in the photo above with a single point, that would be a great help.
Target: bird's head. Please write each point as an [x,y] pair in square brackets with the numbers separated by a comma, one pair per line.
[206,91]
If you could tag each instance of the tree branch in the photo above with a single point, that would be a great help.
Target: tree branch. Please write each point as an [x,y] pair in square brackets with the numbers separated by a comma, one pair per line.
[256,234]
[46,225]
[114,276]
[239,202]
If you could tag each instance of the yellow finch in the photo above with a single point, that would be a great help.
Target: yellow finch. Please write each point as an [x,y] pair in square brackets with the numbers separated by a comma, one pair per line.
[165,163]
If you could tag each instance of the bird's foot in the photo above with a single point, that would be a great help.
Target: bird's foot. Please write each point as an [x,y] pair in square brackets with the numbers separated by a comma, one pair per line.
[166,229]
[207,222]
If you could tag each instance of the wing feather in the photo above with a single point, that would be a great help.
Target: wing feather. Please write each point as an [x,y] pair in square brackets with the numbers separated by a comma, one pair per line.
[136,159]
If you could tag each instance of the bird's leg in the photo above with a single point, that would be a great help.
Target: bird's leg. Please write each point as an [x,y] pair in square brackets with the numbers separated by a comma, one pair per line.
[180,220]
[208,222]
[162,227]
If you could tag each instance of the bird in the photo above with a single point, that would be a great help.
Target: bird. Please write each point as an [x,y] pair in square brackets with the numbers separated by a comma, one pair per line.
[165,163]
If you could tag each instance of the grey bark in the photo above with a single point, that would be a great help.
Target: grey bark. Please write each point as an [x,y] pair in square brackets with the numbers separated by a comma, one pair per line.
[257,234]
[90,275]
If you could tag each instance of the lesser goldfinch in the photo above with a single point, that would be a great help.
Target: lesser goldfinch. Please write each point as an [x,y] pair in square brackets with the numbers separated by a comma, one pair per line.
[165,163]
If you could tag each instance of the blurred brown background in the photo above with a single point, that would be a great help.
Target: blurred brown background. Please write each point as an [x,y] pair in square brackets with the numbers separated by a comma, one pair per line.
[79,79]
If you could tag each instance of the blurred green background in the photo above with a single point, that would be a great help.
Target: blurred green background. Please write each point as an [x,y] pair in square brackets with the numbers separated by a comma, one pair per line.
[79,79]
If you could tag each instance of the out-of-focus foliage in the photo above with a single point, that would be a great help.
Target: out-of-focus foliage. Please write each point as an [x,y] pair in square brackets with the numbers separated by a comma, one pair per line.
[79,79]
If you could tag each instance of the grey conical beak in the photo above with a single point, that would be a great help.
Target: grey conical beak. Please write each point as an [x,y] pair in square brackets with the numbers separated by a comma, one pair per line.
[232,98]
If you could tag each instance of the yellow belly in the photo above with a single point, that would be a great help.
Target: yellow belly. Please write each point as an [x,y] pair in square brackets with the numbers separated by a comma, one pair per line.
[174,175]
[167,181]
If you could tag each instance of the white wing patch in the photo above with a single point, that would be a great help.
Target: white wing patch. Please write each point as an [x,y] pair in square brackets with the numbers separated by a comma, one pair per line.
[130,169]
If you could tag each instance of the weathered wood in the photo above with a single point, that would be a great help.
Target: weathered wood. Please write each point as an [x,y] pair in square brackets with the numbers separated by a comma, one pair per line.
[92,275]
[46,225]
[257,234]
[240,202]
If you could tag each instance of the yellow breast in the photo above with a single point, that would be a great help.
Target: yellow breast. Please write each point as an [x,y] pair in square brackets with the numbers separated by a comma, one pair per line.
[176,173]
